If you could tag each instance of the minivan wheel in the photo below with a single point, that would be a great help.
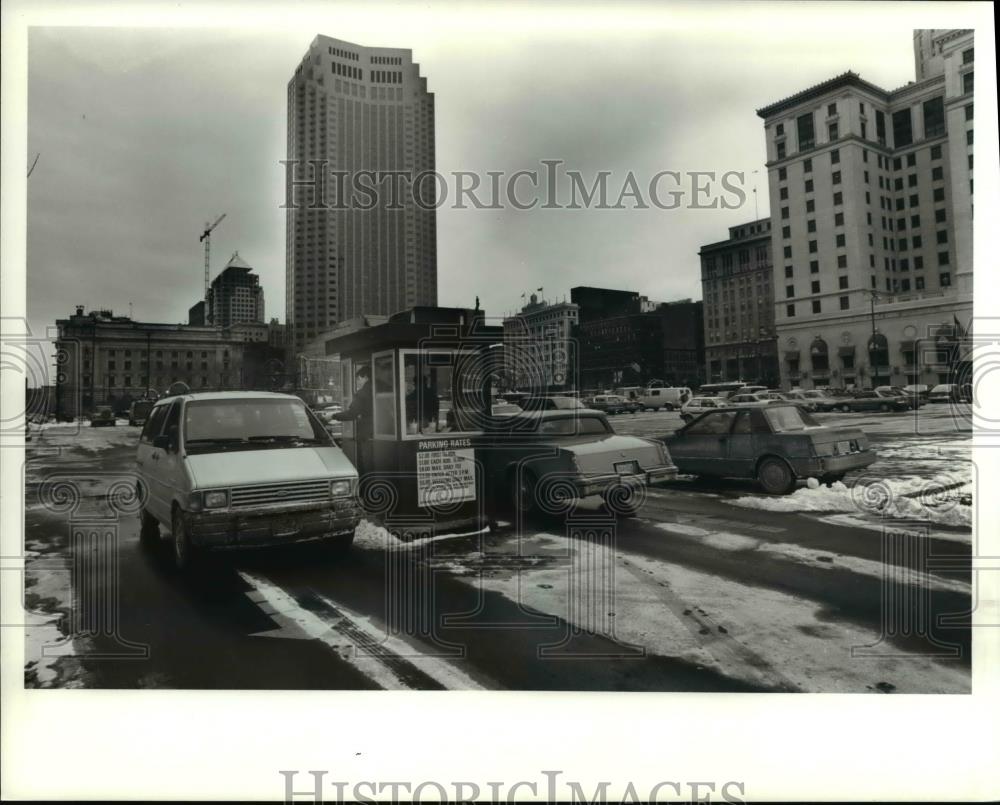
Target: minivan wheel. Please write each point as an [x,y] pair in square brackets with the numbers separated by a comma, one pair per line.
[775,476]
[523,488]
[149,528]
[668,407]
[184,551]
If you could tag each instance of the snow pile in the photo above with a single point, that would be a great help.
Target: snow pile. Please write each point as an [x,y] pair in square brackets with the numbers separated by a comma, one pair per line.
[372,537]
[935,500]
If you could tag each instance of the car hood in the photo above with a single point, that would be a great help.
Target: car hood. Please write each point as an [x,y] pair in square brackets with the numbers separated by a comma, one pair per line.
[251,467]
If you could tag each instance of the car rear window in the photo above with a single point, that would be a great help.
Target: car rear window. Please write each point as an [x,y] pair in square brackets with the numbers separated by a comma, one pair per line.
[573,426]
[787,418]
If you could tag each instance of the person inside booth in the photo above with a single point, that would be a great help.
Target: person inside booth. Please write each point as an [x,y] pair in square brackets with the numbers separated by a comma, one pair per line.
[360,411]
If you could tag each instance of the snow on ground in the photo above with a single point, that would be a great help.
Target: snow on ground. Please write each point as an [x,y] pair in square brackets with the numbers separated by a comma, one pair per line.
[373,537]
[827,560]
[82,437]
[934,500]
[747,632]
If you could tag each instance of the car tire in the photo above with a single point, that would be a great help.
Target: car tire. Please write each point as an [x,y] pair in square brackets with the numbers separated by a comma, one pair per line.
[149,528]
[625,504]
[185,554]
[668,407]
[775,476]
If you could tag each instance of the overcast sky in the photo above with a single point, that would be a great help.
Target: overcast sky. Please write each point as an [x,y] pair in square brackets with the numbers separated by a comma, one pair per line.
[144,134]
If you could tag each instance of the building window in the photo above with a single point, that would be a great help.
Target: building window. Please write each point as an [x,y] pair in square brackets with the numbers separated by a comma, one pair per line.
[914,221]
[968,111]
[790,311]
[782,174]
[783,193]
[937,174]
[811,205]
[789,291]
[842,261]
[789,271]
[939,216]
[815,286]
[784,213]
[918,263]
[845,302]
[943,258]
[809,185]
[838,219]
[842,282]
[902,128]
[779,130]
[902,244]
[967,83]
[968,137]
[811,225]
[911,180]
[831,110]
[841,241]
[914,200]
[833,131]
[945,279]
[788,252]
[813,247]
[838,198]
[935,152]
[816,306]
[918,283]
[814,266]
[835,156]
[939,194]
[968,56]
[786,232]
[880,126]
[942,236]
[806,132]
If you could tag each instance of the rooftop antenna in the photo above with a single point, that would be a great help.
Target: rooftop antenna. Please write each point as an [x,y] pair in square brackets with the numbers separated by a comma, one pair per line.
[206,236]
[756,215]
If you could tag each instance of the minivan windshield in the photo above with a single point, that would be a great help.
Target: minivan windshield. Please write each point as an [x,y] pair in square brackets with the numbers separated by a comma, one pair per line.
[250,423]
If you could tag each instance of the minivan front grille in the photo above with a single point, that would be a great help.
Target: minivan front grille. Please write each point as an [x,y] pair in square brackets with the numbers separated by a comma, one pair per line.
[269,494]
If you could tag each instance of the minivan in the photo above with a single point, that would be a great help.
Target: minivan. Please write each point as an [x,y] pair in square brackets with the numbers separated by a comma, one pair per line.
[227,470]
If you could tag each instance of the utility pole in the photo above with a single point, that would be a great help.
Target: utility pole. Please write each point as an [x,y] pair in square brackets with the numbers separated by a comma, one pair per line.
[206,236]
[874,295]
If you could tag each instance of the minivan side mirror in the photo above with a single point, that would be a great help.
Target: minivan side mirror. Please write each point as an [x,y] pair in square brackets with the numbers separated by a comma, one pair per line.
[161,442]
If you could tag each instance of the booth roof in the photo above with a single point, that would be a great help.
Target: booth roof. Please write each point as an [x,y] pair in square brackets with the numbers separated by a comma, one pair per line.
[396,334]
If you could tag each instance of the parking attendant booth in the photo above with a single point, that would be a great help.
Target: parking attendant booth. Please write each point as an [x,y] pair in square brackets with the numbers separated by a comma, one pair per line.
[431,371]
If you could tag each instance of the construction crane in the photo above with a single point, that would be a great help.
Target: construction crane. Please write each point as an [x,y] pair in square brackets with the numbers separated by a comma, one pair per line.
[206,236]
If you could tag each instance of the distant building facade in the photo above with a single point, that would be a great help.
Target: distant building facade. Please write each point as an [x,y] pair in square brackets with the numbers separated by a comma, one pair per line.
[871,197]
[539,348]
[105,359]
[737,280]
[352,109]
[620,345]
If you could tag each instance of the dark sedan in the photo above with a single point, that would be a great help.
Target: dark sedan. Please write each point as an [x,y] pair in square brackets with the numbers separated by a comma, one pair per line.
[874,401]
[774,445]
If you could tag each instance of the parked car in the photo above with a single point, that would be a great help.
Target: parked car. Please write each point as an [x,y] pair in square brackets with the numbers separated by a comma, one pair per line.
[873,401]
[913,400]
[752,399]
[546,459]
[553,403]
[224,470]
[609,404]
[698,405]
[775,445]
[821,402]
[945,392]
[920,390]
[502,408]
[102,416]
[138,412]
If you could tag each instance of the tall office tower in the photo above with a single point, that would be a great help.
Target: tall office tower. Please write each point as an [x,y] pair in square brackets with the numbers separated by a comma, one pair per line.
[355,109]
[871,208]
[235,296]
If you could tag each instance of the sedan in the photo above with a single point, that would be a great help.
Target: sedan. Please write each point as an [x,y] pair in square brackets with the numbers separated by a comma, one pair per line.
[820,401]
[698,405]
[945,392]
[775,445]
[873,401]
[541,461]
[610,404]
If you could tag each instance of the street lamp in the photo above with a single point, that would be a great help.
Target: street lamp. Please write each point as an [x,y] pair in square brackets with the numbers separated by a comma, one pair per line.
[873,343]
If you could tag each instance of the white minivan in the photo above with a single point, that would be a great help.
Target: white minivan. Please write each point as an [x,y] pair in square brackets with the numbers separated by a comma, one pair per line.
[224,470]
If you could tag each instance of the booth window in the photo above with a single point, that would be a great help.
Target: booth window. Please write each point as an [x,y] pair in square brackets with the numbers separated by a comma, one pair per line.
[384,396]
[432,400]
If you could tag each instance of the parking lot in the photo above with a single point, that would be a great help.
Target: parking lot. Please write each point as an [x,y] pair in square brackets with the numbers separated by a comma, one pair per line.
[714,586]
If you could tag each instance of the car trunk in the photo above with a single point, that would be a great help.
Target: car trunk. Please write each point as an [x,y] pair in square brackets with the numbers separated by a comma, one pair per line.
[839,441]
[613,454]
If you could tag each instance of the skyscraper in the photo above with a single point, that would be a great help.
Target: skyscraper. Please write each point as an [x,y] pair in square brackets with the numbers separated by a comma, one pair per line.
[353,109]
[235,296]
[871,206]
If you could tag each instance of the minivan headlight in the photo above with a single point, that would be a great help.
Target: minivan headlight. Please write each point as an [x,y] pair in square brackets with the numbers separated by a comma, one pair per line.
[340,488]
[216,500]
